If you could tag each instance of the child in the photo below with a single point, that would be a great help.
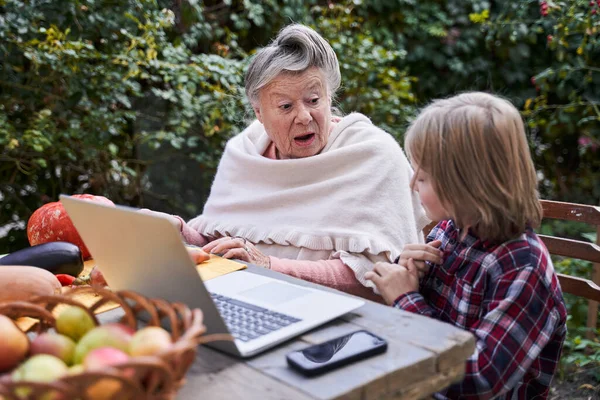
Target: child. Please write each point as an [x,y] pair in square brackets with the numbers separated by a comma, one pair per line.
[483,268]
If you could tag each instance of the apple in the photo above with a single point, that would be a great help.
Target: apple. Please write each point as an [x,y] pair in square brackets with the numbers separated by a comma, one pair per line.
[76,369]
[102,357]
[14,344]
[97,360]
[114,335]
[149,341]
[74,322]
[55,344]
[40,368]
[96,278]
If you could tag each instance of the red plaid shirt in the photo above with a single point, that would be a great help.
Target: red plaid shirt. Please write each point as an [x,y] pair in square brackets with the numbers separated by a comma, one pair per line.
[509,297]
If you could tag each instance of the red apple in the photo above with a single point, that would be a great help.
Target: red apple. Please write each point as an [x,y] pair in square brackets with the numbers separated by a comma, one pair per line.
[97,360]
[96,278]
[14,344]
[54,344]
[102,357]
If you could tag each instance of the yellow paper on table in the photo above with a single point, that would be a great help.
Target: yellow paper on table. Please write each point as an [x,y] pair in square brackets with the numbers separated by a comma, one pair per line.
[217,266]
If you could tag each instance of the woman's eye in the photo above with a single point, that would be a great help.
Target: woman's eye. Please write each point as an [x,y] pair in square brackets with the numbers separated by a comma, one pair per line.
[314,101]
[285,106]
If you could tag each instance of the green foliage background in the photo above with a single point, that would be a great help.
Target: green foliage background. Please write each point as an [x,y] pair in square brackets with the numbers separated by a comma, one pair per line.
[135,99]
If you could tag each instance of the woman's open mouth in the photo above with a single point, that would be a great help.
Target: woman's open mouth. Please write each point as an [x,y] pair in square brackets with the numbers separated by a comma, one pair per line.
[305,140]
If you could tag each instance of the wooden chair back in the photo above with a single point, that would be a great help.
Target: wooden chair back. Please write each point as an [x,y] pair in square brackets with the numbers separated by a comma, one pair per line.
[587,288]
[574,248]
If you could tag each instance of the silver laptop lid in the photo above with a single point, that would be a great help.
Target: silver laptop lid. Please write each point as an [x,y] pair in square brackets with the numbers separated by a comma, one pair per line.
[144,253]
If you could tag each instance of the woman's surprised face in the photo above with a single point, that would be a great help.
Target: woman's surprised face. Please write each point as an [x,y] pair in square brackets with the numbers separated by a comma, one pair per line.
[296,112]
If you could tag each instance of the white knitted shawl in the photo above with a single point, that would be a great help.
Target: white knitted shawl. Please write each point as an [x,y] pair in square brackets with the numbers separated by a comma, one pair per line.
[352,200]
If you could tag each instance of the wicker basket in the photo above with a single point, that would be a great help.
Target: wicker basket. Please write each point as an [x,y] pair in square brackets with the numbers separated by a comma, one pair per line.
[149,377]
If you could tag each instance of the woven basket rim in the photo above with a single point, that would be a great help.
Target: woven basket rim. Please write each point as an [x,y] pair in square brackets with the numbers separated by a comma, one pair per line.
[156,376]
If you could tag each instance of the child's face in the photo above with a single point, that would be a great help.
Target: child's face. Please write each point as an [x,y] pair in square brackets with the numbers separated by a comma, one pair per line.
[429,198]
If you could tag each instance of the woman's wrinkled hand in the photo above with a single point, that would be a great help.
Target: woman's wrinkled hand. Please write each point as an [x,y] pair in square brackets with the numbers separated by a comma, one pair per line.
[197,254]
[393,280]
[420,253]
[238,248]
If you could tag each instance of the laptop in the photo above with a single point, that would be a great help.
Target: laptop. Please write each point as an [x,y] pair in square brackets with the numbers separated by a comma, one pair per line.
[145,253]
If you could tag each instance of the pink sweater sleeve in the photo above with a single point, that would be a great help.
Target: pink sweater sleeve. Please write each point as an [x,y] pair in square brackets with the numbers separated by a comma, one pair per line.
[191,236]
[332,273]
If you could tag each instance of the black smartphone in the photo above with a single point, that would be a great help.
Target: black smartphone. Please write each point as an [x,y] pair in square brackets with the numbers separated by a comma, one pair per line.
[334,353]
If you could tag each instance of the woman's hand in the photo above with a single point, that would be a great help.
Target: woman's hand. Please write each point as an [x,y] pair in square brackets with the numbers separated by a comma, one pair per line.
[421,253]
[239,248]
[197,254]
[394,280]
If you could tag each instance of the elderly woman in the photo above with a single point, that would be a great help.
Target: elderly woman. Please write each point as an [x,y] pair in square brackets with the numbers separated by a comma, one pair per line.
[301,191]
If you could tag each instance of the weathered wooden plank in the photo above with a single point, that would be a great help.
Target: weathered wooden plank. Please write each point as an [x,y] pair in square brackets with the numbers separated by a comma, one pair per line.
[373,378]
[579,286]
[571,211]
[215,375]
[416,389]
[420,390]
[572,248]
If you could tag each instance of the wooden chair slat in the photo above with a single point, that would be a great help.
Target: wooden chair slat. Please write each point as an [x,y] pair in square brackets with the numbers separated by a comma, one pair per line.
[572,248]
[571,211]
[586,288]
[579,287]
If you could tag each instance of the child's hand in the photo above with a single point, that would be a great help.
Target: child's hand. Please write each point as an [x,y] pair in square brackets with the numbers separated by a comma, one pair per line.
[421,253]
[394,280]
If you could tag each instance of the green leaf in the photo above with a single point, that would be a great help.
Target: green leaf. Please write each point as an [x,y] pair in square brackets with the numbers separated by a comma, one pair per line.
[124,100]
[113,149]
[591,236]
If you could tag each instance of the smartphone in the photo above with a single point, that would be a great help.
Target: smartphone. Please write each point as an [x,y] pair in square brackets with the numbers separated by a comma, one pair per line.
[334,353]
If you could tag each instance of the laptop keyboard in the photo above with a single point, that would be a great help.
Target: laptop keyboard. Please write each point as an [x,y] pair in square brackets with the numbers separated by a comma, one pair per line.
[247,321]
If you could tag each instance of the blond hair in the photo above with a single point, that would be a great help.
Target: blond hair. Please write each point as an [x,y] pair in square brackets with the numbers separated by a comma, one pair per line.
[474,147]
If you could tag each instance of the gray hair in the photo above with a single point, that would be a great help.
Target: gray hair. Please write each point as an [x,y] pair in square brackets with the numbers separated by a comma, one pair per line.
[295,49]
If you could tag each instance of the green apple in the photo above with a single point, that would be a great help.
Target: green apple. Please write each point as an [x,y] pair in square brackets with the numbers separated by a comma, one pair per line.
[74,322]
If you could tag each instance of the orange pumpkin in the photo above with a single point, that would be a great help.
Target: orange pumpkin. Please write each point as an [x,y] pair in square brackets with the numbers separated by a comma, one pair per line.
[50,223]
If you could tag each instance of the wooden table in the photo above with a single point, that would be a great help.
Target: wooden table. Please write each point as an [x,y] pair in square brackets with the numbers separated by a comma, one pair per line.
[423,356]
